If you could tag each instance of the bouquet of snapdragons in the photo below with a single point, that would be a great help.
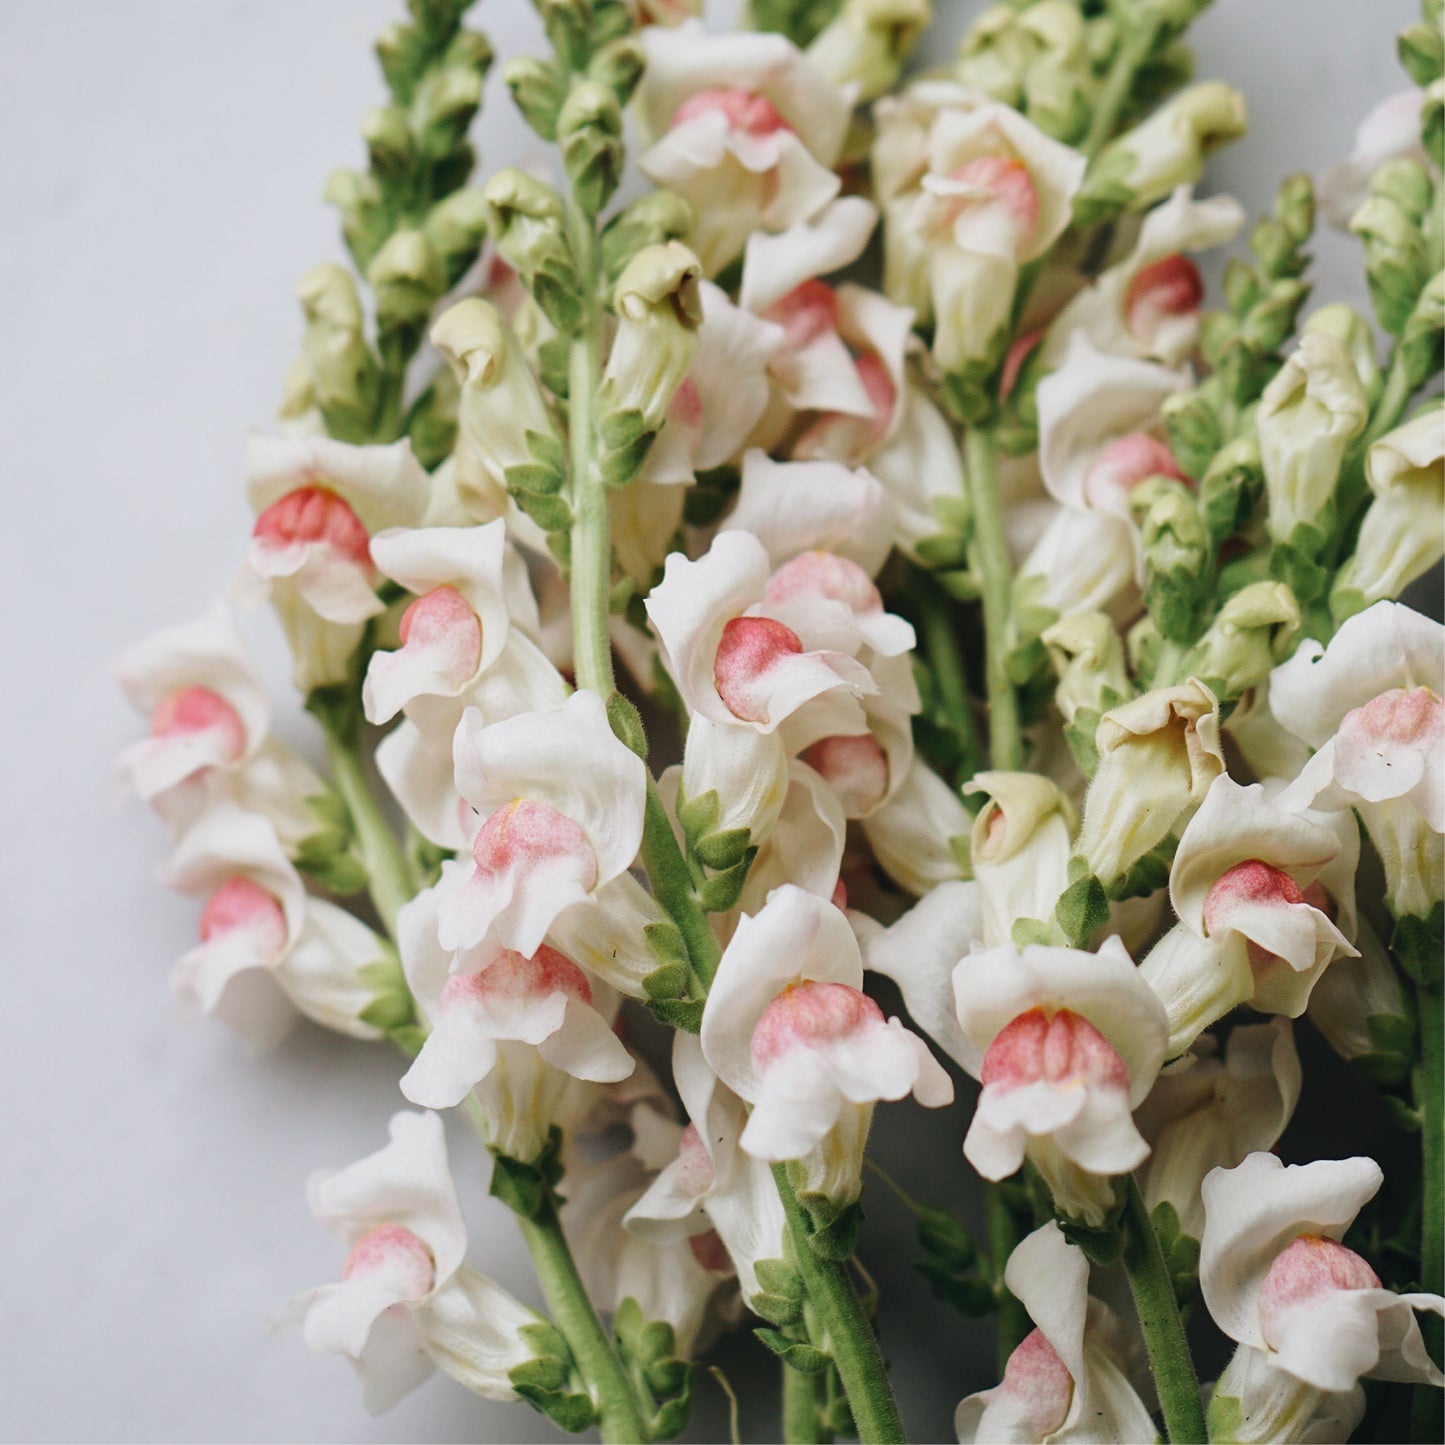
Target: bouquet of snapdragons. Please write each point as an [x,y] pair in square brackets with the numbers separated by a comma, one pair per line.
[860,552]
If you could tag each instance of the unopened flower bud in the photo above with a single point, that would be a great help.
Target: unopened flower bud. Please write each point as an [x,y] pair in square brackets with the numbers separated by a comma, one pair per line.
[526,220]
[407,276]
[1176,553]
[1308,415]
[651,220]
[589,127]
[746,774]
[388,139]
[502,411]
[1401,536]
[365,220]
[1157,757]
[1192,426]
[338,363]
[442,109]
[456,227]
[537,90]
[1356,335]
[1396,263]
[1247,638]
[1168,149]
[619,67]
[1230,487]
[658,311]
[1359,1006]
[868,41]
[1089,660]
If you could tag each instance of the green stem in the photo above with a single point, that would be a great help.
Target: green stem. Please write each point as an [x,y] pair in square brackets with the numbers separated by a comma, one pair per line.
[672,887]
[1430,1101]
[591,526]
[388,873]
[940,644]
[1164,1336]
[850,1336]
[1134,50]
[573,1314]
[1003,1235]
[802,1408]
[992,566]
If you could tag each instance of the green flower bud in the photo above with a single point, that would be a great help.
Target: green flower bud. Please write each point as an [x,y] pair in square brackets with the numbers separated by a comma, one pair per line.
[1294,207]
[1192,426]
[442,111]
[589,127]
[1088,658]
[538,92]
[1357,337]
[339,364]
[365,218]
[388,140]
[619,67]
[1422,52]
[1406,182]
[994,54]
[868,41]
[526,219]
[651,220]
[1359,1007]
[1168,149]
[1395,259]
[407,277]
[1272,319]
[1247,638]
[455,228]
[1176,554]
[1419,350]
[1230,487]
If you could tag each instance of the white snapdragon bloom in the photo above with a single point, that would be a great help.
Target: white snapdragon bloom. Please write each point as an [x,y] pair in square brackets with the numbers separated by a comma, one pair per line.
[199,685]
[1308,415]
[1020,845]
[1277,1280]
[1403,534]
[746,130]
[710,1186]
[268,951]
[1148,304]
[1255,927]
[746,770]
[561,801]
[458,650]
[1158,755]
[1064,1382]
[725,629]
[406,1302]
[788,1028]
[903,438]
[1389,132]
[1370,704]
[912,834]
[318,503]
[511,1030]
[1067,1045]
[1210,1113]
[997,194]
[1082,561]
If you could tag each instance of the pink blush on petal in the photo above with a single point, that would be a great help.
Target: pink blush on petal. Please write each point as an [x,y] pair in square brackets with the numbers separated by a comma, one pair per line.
[1253,881]
[1169,287]
[1308,1267]
[442,621]
[1126,462]
[241,903]
[392,1250]
[1040,1382]
[1402,715]
[513,976]
[1009,184]
[696,1171]
[811,1015]
[824,574]
[311,515]
[197,710]
[710,1252]
[524,833]
[750,647]
[744,110]
[854,767]
[1064,1050]
[805,313]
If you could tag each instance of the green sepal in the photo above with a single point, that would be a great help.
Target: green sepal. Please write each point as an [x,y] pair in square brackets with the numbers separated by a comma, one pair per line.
[392,1006]
[620,465]
[538,92]
[655,1341]
[672,1415]
[1082,909]
[805,1359]
[721,892]
[1394,1052]
[666,944]
[833,1228]
[967,1294]
[1225,1418]
[545,1375]
[1417,943]
[724,850]
[525,1187]
[627,724]
[943,1236]
[943,550]
[666,982]
[1102,1246]
[1180,1250]
[1080,734]
[678,1013]
[697,817]
[777,1309]
[572,1412]
[1407,1119]
[554,360]
[778,1277]
[1145,875]
[1291,563]
[838,1417]
[551,514]
[627,1323]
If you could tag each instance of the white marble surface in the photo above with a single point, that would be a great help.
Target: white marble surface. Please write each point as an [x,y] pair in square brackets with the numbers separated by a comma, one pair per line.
[159,196]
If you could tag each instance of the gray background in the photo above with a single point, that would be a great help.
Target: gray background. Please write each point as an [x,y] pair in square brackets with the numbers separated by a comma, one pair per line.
[159,196]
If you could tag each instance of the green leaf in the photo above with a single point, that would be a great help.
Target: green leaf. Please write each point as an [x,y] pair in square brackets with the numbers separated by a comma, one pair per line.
[943,1236]
[969,1295]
